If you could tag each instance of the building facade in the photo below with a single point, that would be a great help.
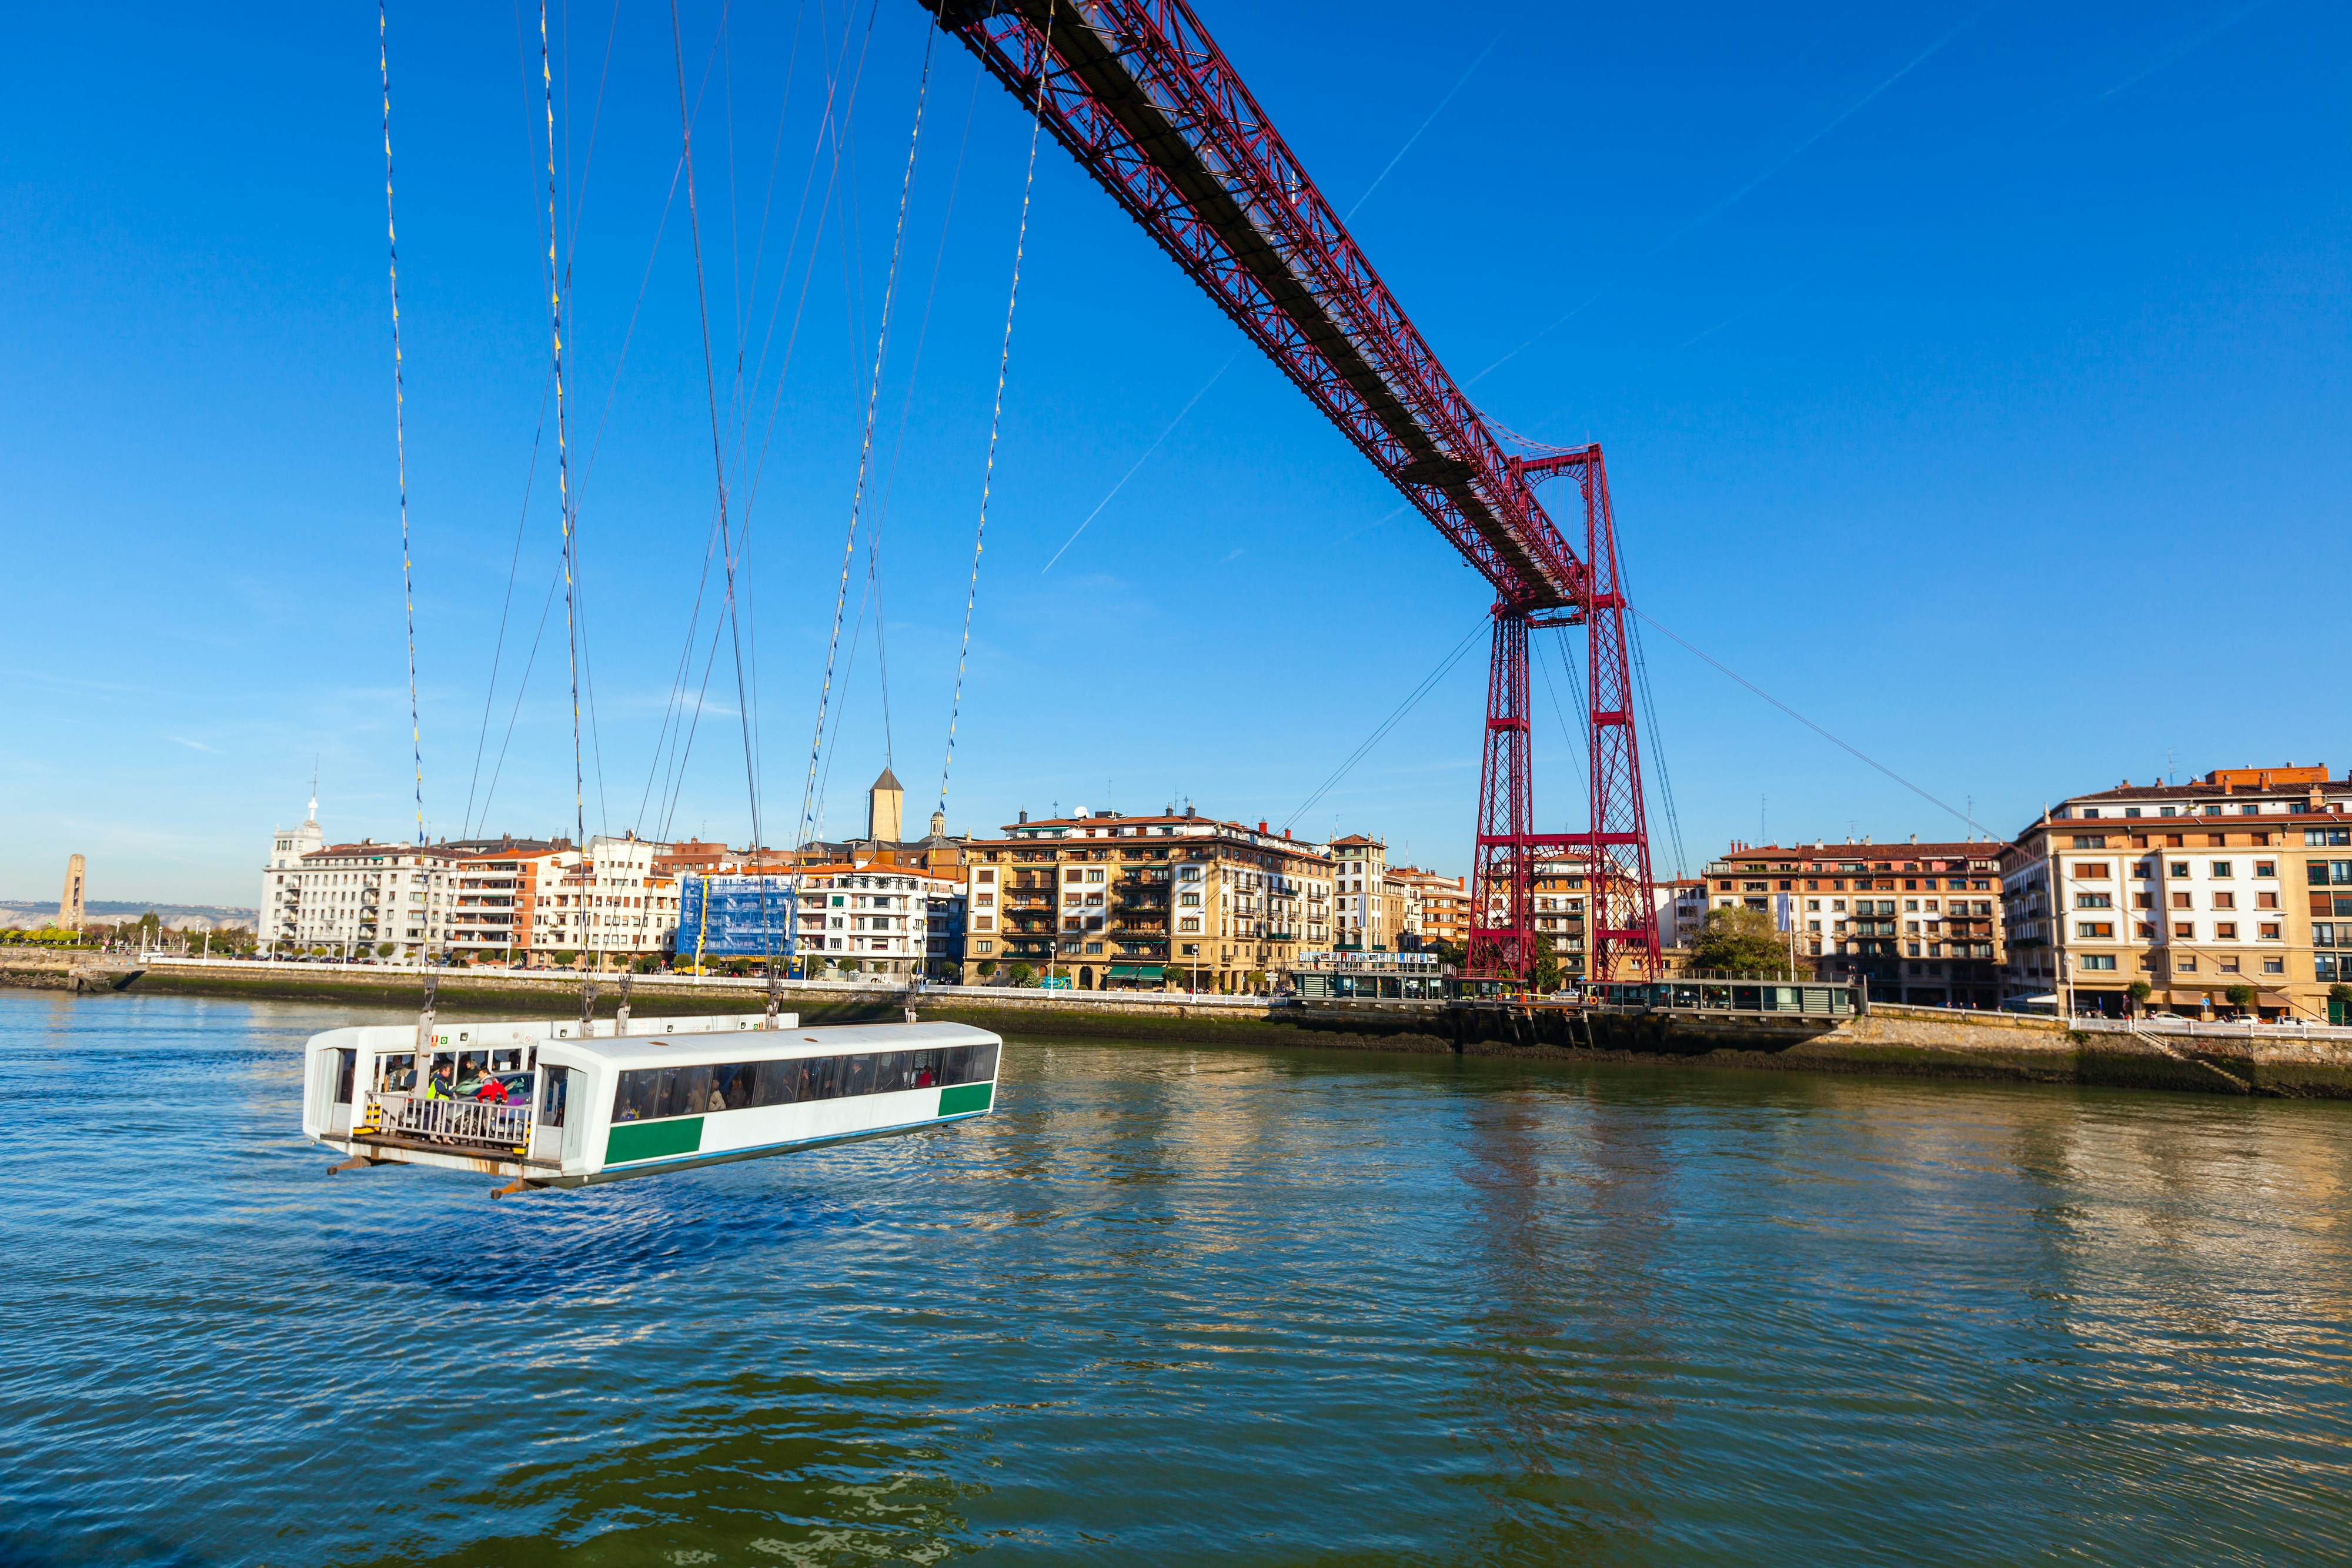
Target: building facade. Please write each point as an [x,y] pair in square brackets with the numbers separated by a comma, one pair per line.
[1364,910]
[1433,908]
[1919,923]
[878,917]
[1106,901]
[2242,879]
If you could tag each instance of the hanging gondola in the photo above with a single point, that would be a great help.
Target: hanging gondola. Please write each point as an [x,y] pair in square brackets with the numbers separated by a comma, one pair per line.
[569,1104]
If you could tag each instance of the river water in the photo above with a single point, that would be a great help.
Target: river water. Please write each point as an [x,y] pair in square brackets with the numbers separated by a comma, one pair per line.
[1171,1304]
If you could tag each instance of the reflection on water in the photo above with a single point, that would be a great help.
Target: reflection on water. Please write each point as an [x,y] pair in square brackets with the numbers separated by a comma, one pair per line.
[1170,1303]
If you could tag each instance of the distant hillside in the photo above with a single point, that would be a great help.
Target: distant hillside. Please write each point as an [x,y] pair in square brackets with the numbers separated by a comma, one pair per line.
[22,913]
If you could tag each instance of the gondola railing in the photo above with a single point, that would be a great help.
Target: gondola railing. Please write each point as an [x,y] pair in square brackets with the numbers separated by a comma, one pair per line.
[480,1121]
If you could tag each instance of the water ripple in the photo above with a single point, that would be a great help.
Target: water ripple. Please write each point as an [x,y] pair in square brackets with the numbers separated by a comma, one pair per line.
[1169,1304]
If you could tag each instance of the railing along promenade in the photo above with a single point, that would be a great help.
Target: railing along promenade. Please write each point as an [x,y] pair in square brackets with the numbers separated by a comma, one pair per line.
[646,986]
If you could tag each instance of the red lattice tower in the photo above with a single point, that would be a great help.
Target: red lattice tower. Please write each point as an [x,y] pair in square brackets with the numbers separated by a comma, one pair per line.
[1142,97]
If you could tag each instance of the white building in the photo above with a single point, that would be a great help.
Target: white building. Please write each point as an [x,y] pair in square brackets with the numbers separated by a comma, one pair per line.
[607,905]
[880,918]
[350,900]
[1365,914]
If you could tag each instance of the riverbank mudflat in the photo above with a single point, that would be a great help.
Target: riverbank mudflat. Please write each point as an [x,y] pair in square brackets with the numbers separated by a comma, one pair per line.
[1910,1042]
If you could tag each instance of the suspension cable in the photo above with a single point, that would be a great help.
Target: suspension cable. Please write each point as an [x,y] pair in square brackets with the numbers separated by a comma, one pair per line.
[996,414]
[399,417]
[866,442]
[563,451]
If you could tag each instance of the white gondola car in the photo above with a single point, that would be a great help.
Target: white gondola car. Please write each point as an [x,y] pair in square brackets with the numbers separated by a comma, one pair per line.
[586,1103]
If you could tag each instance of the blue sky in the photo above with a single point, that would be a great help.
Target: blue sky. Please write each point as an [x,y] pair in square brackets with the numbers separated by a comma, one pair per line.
[1973,379]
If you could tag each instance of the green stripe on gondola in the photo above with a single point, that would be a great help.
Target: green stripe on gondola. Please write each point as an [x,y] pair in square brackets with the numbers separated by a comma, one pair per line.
[653,1139]
[964,1097]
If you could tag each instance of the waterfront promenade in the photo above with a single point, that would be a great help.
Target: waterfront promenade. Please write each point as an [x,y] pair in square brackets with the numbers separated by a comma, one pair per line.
[1899,1040]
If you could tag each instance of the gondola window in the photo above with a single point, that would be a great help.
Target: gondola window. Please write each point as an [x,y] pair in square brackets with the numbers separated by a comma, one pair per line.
[650,1093]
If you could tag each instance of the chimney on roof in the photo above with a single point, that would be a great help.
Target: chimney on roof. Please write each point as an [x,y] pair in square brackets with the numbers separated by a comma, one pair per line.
[1024,816]
[1865,838]
[1261,824]
[1915,838]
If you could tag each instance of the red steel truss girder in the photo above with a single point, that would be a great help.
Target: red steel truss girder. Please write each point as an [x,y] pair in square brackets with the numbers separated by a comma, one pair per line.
[1142,97]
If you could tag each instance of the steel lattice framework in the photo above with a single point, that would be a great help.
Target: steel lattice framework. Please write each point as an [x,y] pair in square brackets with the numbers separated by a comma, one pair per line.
[1142,97]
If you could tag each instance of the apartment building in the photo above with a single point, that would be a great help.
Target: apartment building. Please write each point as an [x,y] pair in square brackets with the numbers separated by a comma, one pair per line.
[879,917]
[2241,878]
[1364,910]
[610,907]
[1681,910]
[1432,908]
[1920,923]
[353,900]
[1108,901]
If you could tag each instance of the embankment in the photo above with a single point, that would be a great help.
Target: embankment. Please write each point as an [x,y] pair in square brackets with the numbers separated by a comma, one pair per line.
[1919,1042]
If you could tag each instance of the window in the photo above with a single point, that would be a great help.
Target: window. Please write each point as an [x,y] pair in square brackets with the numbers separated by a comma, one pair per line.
[2266,901]
[2144,933]
[2322,873]
[2316,837]
[2225,931]
[2269,930]
[2131,810]
[2266,868]
[2097,930]
[2222,869]
[2094,870]
[2142,901]
[2177,868]
[1188,923]
[2184,929]
[1813,907]
[2098,961]
[2094,901]
[2090,841]
[2180,901]
[2186,963]
[2225,900]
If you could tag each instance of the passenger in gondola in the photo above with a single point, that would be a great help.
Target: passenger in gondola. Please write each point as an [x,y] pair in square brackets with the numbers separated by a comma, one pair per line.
[438,1087]
[493,1090]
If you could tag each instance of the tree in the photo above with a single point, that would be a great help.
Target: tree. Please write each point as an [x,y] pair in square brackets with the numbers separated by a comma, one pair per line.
[1022,974]
[2139,991]
[1543,968]
[1740,941]
[564,957]
[2241,996]
[384,949]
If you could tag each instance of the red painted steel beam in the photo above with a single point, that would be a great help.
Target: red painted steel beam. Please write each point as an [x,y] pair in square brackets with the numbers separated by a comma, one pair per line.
[1142,97]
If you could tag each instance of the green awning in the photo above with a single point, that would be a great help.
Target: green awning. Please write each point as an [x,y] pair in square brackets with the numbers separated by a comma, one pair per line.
[1135,971]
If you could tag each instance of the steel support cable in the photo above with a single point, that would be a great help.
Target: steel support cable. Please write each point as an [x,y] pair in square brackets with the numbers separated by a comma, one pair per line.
[1656,747]
[506,609]
[747,605]
[546,607]
[827,128]
[996,409]
[1379,731]
[562,446]
[865,444]
[400,416]
[898,436]
[743,390]
[1842,745]
[719,467]
[673,786]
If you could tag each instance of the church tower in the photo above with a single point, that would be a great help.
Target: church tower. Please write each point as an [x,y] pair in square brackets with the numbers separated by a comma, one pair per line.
[886,805]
